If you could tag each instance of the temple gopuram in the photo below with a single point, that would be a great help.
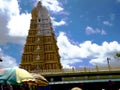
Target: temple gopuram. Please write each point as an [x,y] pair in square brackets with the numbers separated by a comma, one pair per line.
[40,50]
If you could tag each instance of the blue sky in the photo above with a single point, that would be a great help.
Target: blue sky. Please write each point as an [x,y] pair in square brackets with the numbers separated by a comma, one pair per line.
[87,31]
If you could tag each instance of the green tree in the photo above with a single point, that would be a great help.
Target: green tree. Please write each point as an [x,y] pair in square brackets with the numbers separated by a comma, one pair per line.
[117,54]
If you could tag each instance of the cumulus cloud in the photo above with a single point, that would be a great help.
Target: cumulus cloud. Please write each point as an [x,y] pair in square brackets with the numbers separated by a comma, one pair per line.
[56,23]
[13,25]
[8,61]
[90,30]
[66,50]
[52,5]
[19,25]
[94,53]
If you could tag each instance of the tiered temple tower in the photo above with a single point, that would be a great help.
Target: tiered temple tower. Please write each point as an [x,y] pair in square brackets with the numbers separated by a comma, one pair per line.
[40,50]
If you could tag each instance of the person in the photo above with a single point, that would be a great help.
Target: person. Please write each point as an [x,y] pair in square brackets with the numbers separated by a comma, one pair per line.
[76,88]
[1,60]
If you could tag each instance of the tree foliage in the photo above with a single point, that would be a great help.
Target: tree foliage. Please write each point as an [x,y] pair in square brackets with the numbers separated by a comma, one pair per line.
[118,54]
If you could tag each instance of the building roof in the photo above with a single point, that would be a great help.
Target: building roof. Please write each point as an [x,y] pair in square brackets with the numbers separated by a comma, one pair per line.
[84,81]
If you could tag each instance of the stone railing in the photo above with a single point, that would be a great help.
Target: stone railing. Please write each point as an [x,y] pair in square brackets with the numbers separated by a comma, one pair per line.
[73,70]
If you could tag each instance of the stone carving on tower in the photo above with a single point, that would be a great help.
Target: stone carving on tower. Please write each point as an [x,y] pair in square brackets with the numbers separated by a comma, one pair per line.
[40,50]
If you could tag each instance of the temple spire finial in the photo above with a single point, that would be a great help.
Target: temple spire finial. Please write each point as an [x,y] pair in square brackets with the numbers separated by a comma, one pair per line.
[39,4]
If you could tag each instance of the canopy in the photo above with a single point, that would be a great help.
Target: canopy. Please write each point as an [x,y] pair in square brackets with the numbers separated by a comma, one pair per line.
[41,80]
[15,76]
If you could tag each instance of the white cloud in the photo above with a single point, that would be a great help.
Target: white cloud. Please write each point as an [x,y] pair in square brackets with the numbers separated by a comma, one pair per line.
[13,25]
[107,50]
[55,23]
[19,25]
[107,23]
[9,6]
[96,54]
[52,5]
[60,23]
[8,61]
[90,30]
